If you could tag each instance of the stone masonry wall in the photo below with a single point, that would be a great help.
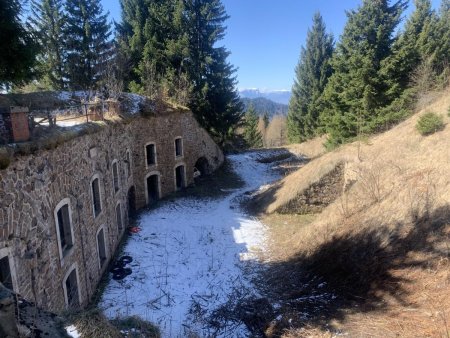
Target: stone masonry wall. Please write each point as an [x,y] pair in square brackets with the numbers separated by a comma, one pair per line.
[33,185]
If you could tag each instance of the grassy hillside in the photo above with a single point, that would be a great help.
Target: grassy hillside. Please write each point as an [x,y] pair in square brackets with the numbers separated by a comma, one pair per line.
[374,258]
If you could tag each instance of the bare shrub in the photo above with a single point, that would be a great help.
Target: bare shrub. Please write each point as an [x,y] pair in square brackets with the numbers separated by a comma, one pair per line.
[422,193]
[423,76]
[371,182]
[113,78]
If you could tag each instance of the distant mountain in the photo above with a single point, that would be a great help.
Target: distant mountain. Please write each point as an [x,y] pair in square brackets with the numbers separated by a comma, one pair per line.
[279,96]
[263,105]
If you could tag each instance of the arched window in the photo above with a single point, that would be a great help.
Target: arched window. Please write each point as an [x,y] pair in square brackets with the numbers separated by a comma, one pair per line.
[96,195]
[70,286]
[7,271]
[101,247]
[64,229]
[178,147]
[150,154]
[128,162]
[119,219]
[115,173]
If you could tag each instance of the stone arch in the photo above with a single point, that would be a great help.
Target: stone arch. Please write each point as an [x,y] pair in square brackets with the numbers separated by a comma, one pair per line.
[152,187]
[180,176]
[202,165]
[131,201]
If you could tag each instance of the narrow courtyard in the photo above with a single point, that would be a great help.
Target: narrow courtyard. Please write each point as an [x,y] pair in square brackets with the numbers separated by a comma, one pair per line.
[190,256]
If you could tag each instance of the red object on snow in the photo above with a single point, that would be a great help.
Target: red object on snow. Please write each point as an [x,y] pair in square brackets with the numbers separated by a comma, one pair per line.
[135,230]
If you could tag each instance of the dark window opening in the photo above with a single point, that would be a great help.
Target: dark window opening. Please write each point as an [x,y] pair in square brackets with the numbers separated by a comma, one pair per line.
[72,290]
[64,226]
[180,179]
[153,188]
[132,201]
[128,161]
[178,147]
[202,166]
[119,218]
[96,197]
[5,273]
[115,169]
[101,247]
[151,154]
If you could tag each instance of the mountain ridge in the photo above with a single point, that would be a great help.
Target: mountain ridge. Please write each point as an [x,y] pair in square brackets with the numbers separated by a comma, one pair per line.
[279,96]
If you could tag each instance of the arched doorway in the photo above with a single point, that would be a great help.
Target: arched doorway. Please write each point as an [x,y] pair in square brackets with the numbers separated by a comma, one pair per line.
[202,165]
[180,177]
[152,183]
[131,201]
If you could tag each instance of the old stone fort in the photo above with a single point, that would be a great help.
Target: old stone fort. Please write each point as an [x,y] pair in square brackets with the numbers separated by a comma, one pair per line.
[67,193]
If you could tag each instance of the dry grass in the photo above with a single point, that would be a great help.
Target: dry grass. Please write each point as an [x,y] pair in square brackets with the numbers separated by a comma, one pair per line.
[92,323]
[311,149]
[382,248]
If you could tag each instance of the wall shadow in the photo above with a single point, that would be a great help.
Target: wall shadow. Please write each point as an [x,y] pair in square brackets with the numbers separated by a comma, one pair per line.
[347,274]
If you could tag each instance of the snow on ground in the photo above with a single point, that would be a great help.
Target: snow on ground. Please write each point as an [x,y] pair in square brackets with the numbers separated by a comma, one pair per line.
[72,331]
[188,258]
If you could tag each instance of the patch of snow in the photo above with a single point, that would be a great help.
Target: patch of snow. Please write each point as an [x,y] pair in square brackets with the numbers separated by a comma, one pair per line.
[72,331]
[189,257]
[135,102]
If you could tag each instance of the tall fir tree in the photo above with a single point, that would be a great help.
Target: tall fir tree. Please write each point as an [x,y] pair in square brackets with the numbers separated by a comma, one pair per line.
[48,21]
[130,37]
[252,135]
[411,48]
[87,42]
[215,100]
[17,45]
[357,90]
[441,50]
[311,76]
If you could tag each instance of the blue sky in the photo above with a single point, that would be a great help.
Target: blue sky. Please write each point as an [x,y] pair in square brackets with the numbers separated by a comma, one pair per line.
[265,36]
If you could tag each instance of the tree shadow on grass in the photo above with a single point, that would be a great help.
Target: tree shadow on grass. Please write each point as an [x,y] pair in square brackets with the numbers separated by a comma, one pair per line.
[347,273]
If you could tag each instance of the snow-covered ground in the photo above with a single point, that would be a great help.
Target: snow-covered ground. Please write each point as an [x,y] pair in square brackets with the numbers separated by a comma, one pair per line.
[189,259]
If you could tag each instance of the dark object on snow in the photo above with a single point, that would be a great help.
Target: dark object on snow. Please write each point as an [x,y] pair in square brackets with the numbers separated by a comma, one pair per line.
[126,259]
[119,270]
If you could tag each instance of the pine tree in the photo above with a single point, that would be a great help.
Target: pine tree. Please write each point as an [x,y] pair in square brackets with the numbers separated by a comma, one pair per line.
[357,90]
[18,49]
[130,38]
[252,135]
[87,41]
[411,48]
[48,20]
[312,73]
[215,101]
[441,50]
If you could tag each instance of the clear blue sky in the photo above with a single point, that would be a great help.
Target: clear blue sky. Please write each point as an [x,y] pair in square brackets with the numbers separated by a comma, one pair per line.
[265,36]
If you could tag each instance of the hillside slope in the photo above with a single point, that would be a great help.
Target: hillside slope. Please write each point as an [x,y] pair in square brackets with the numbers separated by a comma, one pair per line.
[379,242]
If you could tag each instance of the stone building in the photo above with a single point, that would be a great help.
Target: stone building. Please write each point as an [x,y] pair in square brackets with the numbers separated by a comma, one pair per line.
[64,208]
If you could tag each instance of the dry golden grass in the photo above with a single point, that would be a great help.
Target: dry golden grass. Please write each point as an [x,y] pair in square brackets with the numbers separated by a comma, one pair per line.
[311,149]
[384,240]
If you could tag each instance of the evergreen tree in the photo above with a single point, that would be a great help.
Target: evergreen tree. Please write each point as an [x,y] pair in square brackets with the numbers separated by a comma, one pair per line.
[87,41]
[357,90]
[18,49]
[441,50]
[412,47]
[266,119]
[215,101]
[312,73]
[48,21]
[130,37]
[252,136]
